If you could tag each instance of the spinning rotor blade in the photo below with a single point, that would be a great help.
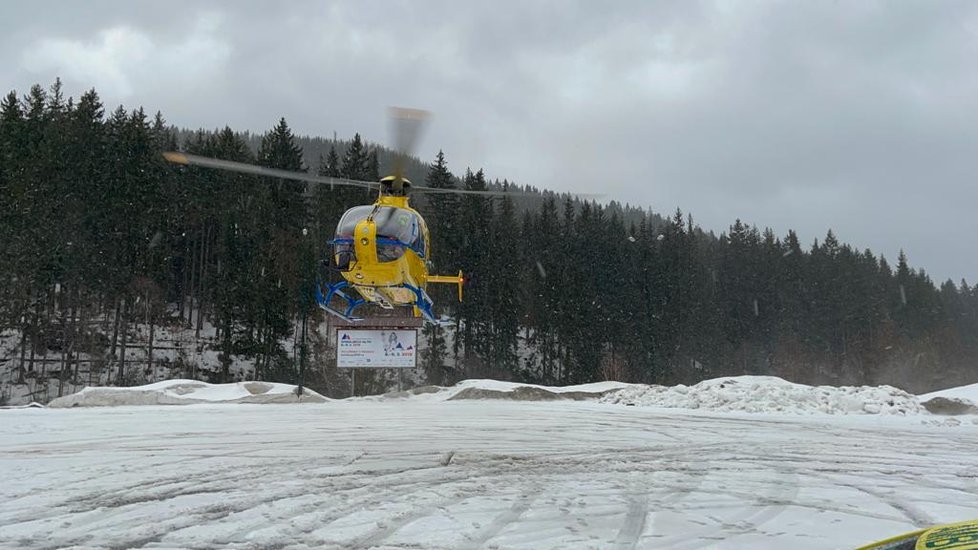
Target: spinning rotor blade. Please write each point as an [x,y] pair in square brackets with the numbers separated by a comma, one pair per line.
[452,190]
[406,128]
[447,190]
[244,168]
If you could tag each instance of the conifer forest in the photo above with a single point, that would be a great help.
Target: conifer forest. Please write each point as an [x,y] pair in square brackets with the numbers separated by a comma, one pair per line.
[104,246]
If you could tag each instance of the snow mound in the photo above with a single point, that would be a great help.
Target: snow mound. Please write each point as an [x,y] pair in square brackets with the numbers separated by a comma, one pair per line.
[31,405]
[525,393]
[186,392]
[495,389]
[949,406]
[752,394]
[496,385]
[967,393]
[952,401]
[770,394]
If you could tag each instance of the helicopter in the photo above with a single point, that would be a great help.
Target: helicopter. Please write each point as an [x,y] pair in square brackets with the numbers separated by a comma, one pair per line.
[381,250]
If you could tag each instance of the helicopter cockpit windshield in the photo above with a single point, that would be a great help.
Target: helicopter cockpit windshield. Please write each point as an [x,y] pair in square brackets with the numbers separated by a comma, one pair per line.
[397,229]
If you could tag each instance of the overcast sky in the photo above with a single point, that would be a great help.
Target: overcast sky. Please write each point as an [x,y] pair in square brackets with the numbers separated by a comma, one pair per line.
[858,116]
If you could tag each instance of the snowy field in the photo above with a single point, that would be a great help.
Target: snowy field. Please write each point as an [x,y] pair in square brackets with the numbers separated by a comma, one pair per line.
[426,472]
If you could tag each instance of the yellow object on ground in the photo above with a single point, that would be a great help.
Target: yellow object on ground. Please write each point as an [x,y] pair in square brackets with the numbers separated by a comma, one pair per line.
[953,536]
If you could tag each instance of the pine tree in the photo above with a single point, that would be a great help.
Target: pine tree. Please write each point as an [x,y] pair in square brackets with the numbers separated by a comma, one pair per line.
[356,162]
[543,257]
[441,219]
[329,203]
[442,216]
[504,308]
[475,219]
[235,251]
[13,192]
[355,166]
[332,165]
[282,269]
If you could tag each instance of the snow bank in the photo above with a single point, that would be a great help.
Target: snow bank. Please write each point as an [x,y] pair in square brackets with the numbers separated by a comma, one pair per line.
[495,389]
[952,401]
[753,394]
[769,394]
[185,392]
[969,393]
[31,405]
[496,385]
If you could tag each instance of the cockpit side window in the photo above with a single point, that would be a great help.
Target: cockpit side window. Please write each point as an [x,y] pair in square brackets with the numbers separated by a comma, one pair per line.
[400,225]
[348,223]
[393,224]
[344,254]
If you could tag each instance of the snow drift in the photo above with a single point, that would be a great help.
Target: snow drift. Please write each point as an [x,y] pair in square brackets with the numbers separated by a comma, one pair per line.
[752,394]
[969,393]
[770,394]
[511,391]
[185,392]
[952,401]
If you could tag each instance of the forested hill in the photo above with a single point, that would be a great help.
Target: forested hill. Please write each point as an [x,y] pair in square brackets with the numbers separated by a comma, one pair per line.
[101,235]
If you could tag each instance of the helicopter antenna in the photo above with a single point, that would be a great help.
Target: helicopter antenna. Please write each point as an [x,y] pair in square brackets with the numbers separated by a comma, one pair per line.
[406,126]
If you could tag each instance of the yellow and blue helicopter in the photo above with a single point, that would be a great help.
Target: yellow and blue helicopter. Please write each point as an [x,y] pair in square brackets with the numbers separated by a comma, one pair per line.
[382,250]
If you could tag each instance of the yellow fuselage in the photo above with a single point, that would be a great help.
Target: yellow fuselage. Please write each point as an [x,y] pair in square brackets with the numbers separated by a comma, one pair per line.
[383,281]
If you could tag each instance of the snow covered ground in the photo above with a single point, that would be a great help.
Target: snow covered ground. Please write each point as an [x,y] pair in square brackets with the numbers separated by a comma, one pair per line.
[433,470]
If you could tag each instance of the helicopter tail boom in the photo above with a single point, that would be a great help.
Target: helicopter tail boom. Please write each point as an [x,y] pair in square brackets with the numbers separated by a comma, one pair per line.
[451,279]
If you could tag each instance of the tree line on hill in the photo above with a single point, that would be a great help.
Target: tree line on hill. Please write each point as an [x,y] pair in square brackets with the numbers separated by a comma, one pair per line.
[99,233]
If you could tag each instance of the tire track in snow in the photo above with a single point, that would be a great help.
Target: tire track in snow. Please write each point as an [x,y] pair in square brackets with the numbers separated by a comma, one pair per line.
[104,503]
[388,528]
[748,520]
[500,522]
[631,531]
[917,517]
[358,490]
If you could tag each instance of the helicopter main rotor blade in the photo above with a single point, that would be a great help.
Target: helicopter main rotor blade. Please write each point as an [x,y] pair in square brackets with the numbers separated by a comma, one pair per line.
[452,190]
[406,127]
[253,169]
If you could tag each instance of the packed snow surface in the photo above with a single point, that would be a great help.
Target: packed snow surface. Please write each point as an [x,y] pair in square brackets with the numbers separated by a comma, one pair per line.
[184,392]
[429,472]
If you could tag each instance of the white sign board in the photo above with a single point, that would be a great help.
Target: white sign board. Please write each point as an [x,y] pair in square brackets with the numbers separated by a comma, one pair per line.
[377,348]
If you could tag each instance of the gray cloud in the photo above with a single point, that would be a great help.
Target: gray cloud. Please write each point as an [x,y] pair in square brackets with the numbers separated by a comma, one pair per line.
[860,117]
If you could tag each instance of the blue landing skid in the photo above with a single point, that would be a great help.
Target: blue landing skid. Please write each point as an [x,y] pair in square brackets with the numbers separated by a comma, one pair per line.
[422,302]
[336,289]
[425,306]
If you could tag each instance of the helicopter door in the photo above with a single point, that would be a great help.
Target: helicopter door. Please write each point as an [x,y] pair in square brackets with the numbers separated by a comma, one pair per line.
[344,255]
